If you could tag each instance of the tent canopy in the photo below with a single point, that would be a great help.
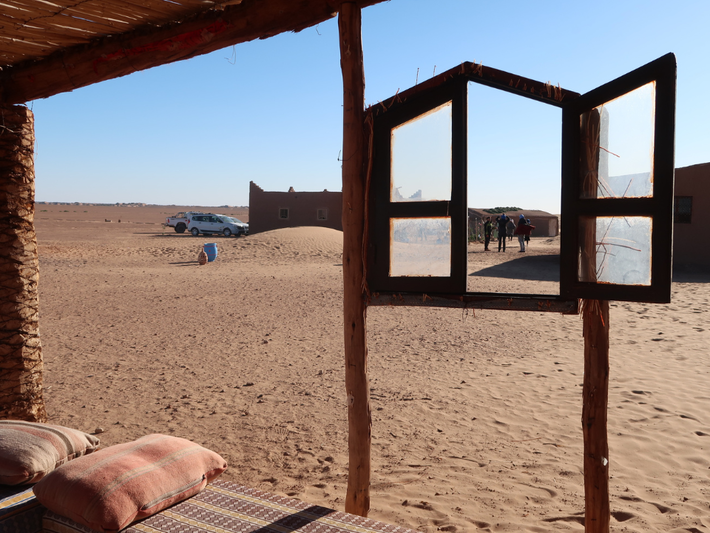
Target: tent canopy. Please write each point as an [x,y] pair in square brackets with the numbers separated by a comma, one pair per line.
[48,48]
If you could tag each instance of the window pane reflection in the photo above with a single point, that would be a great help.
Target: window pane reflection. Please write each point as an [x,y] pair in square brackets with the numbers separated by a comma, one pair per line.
[421,157]
[420,247]
[615,250]
[617,146]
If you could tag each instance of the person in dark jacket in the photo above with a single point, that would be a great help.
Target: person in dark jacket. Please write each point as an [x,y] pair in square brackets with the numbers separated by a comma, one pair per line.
[487,232]
[522,230]
[527,237]
[502,222]
[510,228]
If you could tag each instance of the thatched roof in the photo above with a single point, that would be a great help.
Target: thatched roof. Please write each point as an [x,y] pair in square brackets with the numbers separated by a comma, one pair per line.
[52,47]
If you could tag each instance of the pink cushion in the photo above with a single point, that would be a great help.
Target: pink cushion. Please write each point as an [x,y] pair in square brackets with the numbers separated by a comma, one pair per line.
[115,486]
[29,450]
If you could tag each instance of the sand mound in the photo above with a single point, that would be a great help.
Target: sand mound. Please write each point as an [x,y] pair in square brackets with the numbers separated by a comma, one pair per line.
[303,242]
[307,237]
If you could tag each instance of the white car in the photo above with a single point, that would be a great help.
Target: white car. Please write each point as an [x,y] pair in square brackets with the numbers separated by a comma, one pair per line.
[209,224]
[244,225]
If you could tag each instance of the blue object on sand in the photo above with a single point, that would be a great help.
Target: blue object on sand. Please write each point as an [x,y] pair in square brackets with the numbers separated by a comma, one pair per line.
[210,249]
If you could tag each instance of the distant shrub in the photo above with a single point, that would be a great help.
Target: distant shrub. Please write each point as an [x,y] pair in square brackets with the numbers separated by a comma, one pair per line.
[497,210]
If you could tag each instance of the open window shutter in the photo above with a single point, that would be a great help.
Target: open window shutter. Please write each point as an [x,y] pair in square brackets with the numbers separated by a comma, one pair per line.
[617,188]
[418,239]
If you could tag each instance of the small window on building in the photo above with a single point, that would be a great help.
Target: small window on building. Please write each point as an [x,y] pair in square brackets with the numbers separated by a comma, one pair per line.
[283,212]
[322,214]
[683,209]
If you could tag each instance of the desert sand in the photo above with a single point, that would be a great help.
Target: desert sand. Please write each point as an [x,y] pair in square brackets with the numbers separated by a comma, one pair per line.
[476,415]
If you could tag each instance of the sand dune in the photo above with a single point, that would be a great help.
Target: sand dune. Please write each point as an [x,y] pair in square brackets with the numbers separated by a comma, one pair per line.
[292,244]
[476,415]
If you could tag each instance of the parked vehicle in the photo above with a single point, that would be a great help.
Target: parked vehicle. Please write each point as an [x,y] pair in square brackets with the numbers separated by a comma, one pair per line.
[238,222]
[209,224]
[180,221]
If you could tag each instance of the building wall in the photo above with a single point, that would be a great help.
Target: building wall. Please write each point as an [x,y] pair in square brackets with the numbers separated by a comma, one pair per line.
[266,209]
[691,243]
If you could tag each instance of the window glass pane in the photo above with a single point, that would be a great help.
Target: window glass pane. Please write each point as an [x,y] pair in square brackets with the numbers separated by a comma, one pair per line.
[420,247]
[617,146]
[421,157]
[683,209]
[615,250]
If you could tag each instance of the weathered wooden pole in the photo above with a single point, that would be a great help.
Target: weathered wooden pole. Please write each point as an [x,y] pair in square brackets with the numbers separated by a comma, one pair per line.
[20,349]
[595,394]
[595,317]
[357,500]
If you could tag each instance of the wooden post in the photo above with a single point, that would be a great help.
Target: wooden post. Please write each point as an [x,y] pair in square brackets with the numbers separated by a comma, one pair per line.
[357,500]
[595,316]
[589,180]
[595,394]
[20,350]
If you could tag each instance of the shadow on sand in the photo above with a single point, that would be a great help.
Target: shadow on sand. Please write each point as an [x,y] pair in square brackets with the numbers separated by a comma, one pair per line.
[547,268]
[533,267]
[691,274]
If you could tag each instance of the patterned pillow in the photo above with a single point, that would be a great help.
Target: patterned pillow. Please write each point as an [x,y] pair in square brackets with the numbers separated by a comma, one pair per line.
[115,486]
[29,451]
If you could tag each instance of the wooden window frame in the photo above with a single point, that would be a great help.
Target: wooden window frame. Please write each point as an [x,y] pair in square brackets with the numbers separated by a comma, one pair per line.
[450,291]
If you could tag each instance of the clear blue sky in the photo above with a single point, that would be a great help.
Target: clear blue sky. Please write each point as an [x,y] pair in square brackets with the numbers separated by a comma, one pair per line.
[197,131]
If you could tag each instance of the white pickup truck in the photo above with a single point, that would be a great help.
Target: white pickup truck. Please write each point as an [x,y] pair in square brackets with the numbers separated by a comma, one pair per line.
[181,220]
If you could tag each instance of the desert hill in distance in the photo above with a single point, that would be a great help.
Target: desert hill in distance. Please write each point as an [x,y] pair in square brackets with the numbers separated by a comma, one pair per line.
[128,212]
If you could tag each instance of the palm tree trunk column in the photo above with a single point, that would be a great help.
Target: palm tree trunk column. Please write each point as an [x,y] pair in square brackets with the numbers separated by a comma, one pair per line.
[20,349]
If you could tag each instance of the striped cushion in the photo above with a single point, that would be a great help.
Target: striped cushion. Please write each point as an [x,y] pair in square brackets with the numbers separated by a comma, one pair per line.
[29,450]
[115,486]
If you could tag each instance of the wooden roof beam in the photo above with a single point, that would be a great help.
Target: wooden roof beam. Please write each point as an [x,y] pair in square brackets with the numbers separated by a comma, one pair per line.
[115,56]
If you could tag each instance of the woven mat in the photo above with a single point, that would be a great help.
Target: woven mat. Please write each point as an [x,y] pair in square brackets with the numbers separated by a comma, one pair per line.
[20,512]
[226,507]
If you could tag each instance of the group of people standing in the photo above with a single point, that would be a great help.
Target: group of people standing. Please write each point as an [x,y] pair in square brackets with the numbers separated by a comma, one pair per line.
[508,228]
